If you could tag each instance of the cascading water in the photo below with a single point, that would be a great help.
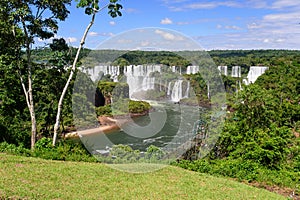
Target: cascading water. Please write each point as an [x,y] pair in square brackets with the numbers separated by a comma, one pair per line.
[177,91]
[139,77]
[254,73]
[223,70]
[236,71]
[187,90]
[208,90]
[175,69]
[113,71]
[169,88]
[192,69]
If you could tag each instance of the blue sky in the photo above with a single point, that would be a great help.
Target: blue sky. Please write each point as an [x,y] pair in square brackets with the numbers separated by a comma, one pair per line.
[215,24]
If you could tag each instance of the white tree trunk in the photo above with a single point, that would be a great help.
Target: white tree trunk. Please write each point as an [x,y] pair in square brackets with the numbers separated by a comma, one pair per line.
[29,94]
[32,112]
[59,108]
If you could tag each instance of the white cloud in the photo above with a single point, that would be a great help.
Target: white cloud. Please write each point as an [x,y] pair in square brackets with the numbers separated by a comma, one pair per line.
[253,26]
[288,17]
[263,36]
[219,26]
[281,4]
[278,29]
[93,34]
[104,34]
[168,36]
[145,43]
[174,1]
[201,5]
[166,21]
[112,23]
[258,4]
[124,41]
[71,39]
[233,27]
[130,10]
[184,5]
[274,40]
[109,34]
[229,27]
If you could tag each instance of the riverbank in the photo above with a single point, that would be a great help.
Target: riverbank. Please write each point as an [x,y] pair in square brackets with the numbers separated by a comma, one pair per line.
[107,124]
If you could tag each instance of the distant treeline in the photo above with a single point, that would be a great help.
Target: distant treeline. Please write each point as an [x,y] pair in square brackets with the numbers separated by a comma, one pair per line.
[244,58]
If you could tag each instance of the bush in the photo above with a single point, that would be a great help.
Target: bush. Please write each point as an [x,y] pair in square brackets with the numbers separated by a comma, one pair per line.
[64,150]
[154,153]
[123,154]
[13,149]
[104,110]
[138,106]
[243,171]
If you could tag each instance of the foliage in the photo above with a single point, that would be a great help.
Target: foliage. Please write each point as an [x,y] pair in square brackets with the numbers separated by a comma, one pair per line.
[139,106]
[118,93]
[244,171]
[259,139]
[65,150]
[121,154]
[104,110]
[124,154]
[152,57]
[154,153]
[115,89]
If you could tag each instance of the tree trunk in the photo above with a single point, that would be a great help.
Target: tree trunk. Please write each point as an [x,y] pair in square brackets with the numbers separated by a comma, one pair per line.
[29,93]
[33,123]
[59,108]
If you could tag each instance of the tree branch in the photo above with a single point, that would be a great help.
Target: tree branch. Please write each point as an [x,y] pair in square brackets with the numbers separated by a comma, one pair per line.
[73,69]
[24,87]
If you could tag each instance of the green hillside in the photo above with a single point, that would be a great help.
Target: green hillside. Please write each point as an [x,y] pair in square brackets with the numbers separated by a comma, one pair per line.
[32,178]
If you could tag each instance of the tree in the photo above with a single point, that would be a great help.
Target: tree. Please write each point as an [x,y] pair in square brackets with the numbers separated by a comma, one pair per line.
[91,8]
[33,19]
[12,108]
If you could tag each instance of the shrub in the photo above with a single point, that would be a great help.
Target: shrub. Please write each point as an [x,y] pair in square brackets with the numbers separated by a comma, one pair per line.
[13,149]
[104,110]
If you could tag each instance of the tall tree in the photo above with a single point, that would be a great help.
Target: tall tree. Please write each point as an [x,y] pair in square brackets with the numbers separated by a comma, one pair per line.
[91,8]
[34,19]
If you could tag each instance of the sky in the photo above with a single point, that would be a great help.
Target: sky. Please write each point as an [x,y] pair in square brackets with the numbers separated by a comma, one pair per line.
[215,24]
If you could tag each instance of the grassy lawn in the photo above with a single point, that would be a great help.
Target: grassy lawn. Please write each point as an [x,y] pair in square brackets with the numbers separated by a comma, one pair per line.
[32,178]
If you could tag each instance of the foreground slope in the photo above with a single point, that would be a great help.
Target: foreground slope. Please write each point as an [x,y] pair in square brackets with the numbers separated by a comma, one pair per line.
[32,178]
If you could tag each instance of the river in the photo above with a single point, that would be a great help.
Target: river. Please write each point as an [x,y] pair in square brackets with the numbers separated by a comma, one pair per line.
[168,127]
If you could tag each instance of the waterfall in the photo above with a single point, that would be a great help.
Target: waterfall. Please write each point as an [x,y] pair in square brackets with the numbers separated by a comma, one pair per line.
[139,77]
[176,69]
[208,91]
[254,73]
[169,89]
[177,91]
[113,71]
[236,71]
[160,85]
[223,70]
[187,90]
[192,69]
[173,69]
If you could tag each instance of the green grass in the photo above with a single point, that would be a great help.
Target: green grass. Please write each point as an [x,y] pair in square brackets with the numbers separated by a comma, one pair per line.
[32,178]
